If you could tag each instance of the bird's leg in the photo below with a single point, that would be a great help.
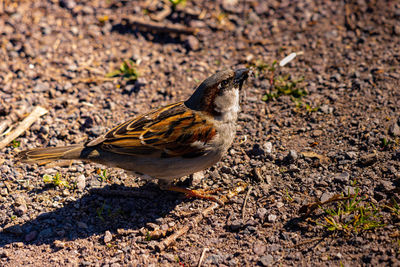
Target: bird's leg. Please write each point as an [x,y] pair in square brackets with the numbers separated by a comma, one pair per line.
[191,193]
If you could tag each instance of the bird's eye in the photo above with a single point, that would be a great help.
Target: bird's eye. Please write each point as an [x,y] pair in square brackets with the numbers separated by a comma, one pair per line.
[224,83]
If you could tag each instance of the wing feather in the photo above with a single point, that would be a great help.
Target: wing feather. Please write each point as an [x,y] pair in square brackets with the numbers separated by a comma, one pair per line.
[170,131]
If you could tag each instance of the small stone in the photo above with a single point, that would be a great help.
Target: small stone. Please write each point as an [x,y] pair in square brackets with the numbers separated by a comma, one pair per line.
[268,147]
[107,237]
[259,248]
[19,244]
[20,210]
[396,29]
[70,4]
[326,196]
[4,192]
[82,225]
[19,200]
[272,218]
[325,109]
[31,236]
[45,233]
[81,182]
[261,212]
[351,154]
[266,260]
[236,225]
[317,133]
[197,177]
[394,129]
[387,185]
[192,43]
[292,156]
[342,177]
[368,160]
[41,87]
[215,259]
[257,174]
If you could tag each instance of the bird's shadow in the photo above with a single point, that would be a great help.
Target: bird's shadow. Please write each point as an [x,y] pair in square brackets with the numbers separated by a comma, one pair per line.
[148,35]
[93,214]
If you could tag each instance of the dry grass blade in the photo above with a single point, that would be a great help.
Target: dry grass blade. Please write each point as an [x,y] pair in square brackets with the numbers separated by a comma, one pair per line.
[203,254]
[309,208]
[23,126]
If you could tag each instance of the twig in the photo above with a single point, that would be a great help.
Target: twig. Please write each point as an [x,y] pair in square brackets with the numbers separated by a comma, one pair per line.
[245,201]
[203,254]
[307,209]
[23,126]
[4,125]
[193,222]
[160,27]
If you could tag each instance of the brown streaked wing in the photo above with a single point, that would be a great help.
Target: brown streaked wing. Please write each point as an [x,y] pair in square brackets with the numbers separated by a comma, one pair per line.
[171,131]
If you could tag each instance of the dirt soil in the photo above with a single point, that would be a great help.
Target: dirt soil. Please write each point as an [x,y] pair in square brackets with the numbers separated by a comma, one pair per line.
[336,147]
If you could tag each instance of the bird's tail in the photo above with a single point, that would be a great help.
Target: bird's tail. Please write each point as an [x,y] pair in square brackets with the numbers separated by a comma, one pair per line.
[49,154]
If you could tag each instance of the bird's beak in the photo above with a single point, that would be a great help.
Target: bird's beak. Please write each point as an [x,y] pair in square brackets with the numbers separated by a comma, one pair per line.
[240,76]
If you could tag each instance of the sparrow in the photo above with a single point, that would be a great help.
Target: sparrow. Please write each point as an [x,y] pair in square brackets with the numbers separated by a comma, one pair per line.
[169,142]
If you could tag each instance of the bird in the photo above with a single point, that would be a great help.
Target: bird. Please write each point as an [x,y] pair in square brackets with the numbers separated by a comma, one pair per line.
[169,142]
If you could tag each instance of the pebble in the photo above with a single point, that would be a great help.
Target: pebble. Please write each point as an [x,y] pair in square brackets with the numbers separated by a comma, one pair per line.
[317,133]
[107,237]
[396,29]
[192,43]
[272,218]
[387,185]
[259,248]
[268,147]
[70,4]
[368,160]
[342,177]
[351,154]
[197,177]
[292,156]
[261,212]
[81,182]
[20,210]
[31,236]
[236,225]
[45,233]
[41,87]
[267,260]
[394,129]
[326,196]
[82,225]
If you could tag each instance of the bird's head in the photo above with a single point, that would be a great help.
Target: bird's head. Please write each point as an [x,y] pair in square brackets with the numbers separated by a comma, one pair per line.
[219,93]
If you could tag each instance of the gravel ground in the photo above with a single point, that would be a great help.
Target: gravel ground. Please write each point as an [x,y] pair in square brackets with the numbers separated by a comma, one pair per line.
[323,169]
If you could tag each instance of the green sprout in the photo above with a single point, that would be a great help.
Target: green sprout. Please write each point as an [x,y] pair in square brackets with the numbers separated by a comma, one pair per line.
[100,211]
[176,3]
[127,71]
[15,143]
[55,180]
[103,176]
[352,214]
[285,85]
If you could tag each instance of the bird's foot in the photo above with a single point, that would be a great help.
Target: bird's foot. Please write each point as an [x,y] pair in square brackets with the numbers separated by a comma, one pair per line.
[203,194]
